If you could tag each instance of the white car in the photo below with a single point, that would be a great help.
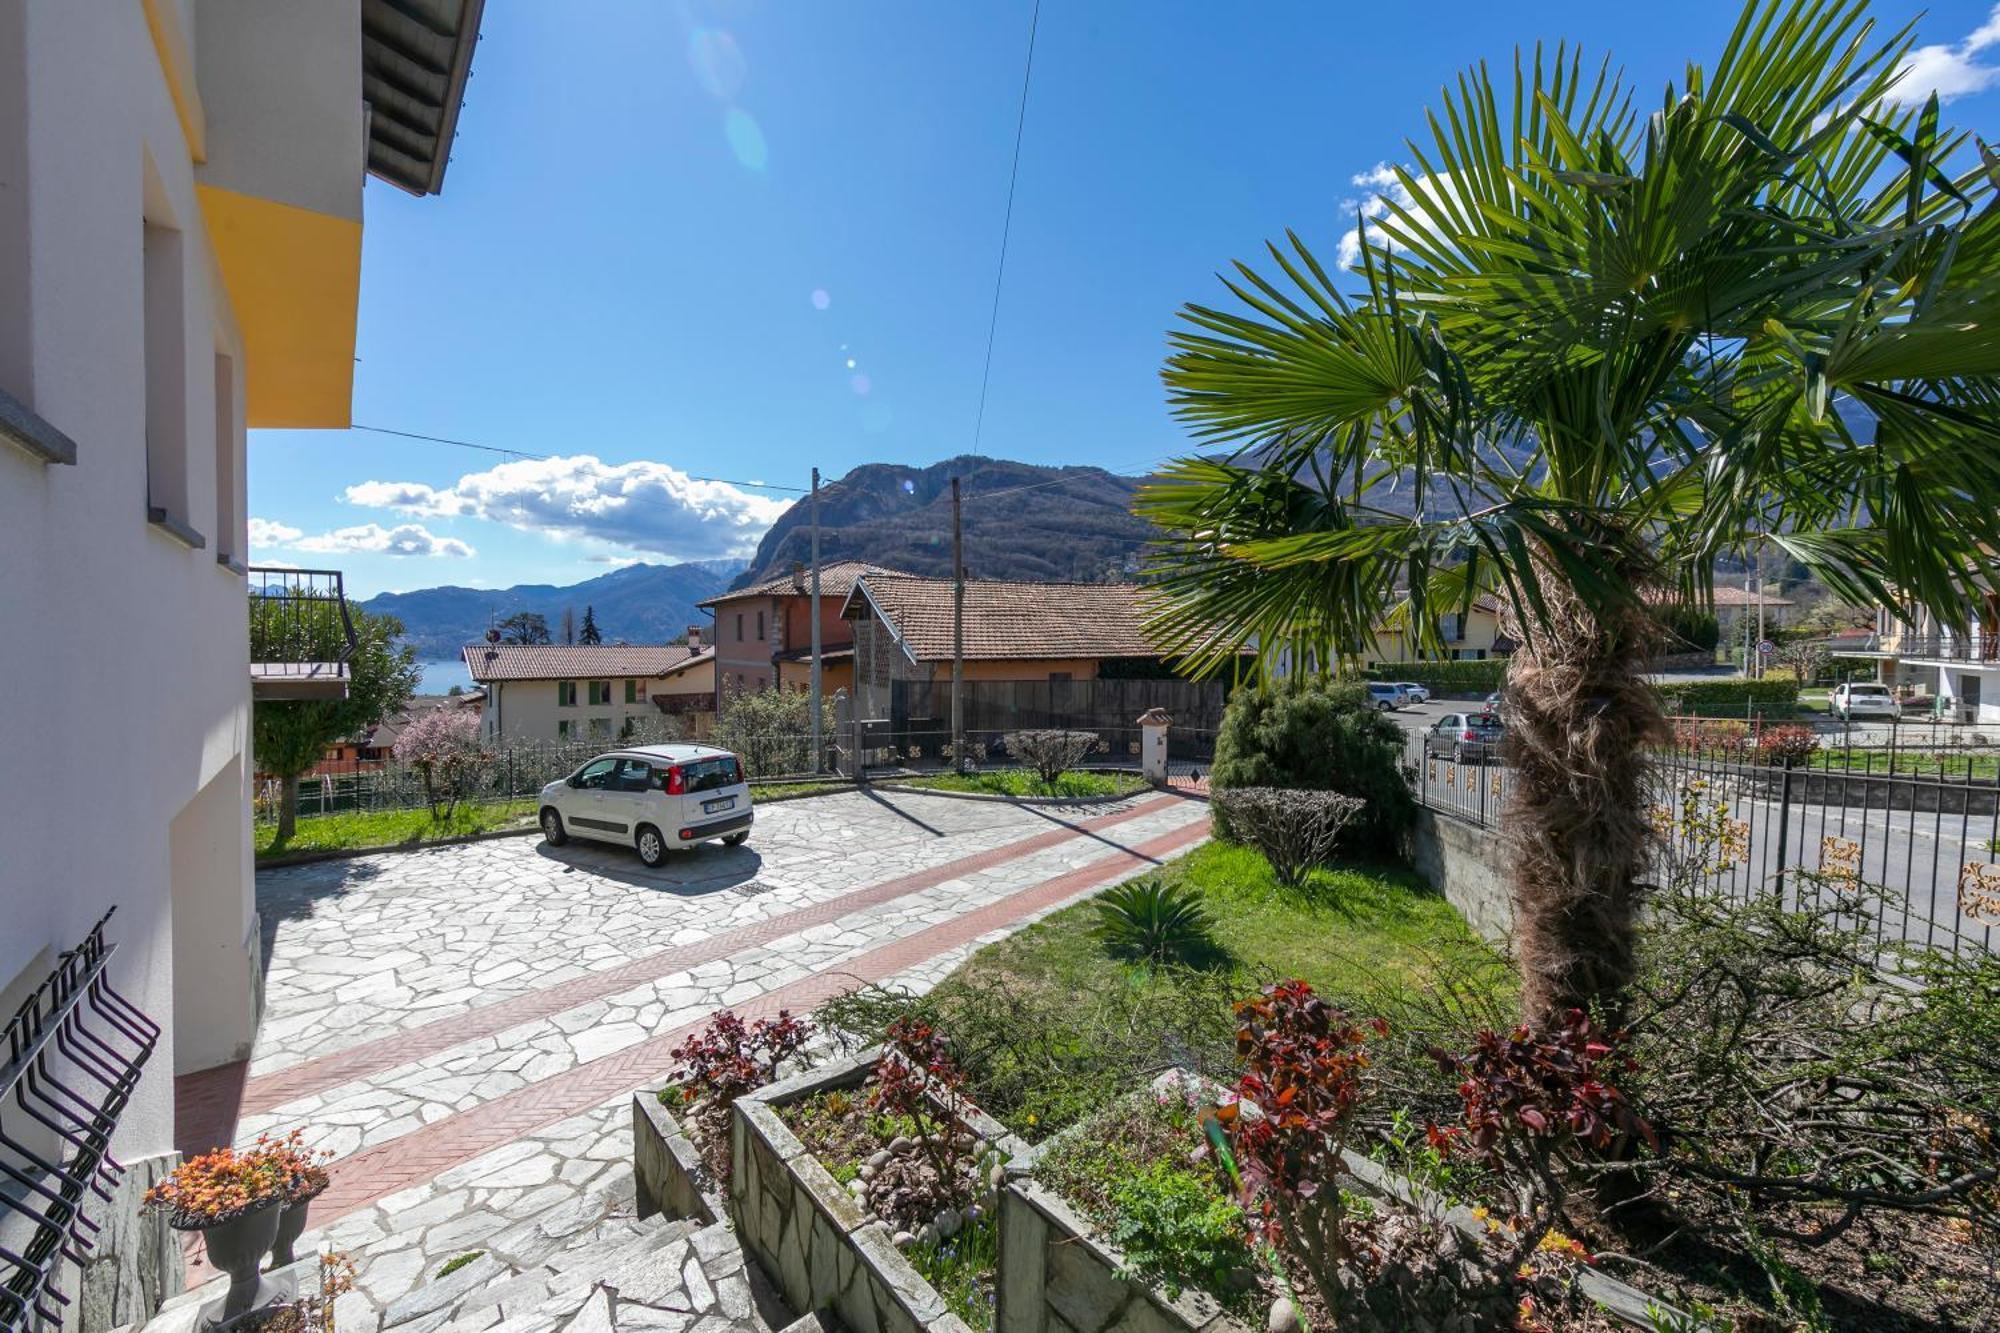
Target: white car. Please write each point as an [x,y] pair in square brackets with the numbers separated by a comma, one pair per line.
[1864,699]
[1386,697]
[1412,691]
[651,797]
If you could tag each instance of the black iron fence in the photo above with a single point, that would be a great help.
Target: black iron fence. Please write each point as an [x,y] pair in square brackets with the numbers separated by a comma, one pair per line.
[1911,849]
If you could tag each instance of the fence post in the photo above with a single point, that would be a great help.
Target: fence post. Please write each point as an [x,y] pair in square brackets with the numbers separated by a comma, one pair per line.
[510,775]
[1153,724]
[1784,826]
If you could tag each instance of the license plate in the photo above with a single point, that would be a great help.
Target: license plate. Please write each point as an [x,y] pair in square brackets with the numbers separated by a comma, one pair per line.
[726,803]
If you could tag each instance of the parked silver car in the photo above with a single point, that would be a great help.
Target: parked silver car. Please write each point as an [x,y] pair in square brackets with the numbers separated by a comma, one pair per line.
[1465,738]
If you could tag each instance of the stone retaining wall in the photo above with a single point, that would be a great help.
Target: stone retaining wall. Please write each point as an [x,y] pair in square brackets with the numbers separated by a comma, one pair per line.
[1467,864]
[1058,1275]
[670,1174]
[813,1238]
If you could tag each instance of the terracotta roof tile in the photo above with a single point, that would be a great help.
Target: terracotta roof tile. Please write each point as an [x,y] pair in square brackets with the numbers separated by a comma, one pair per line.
[572,661]
[1012,620]
[835,580]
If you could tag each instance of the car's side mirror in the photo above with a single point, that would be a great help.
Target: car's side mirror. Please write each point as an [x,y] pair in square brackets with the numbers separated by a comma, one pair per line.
[576,782]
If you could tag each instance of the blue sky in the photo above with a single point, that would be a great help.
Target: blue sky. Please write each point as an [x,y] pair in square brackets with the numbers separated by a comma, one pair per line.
[669,228]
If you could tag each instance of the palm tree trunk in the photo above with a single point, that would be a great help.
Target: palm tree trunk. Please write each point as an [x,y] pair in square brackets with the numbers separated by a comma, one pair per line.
[1581,715]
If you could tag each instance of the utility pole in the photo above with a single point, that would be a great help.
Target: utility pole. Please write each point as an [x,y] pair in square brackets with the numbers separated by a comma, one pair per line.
[957,629]
[814,705]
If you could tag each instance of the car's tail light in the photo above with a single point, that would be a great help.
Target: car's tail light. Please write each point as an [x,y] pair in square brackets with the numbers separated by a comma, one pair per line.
[676,781]
[735,770]
[1468,735]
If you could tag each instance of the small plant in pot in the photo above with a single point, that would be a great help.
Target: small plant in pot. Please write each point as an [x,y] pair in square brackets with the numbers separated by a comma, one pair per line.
[234,1200]
[720,1063]
[303,1171]
[927,1180]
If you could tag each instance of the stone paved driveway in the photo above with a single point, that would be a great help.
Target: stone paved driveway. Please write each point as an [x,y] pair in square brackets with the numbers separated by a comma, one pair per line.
[463,1026]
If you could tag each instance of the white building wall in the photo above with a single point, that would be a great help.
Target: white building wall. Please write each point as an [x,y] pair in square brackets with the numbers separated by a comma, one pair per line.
[126,702]
[520,712]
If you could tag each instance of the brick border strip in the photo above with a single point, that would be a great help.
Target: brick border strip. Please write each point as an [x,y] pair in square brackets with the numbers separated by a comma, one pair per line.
[208,1103]
[411,1159]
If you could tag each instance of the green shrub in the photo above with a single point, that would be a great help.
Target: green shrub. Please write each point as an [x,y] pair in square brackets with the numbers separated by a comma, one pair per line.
[1154,919]
[1319,736]
[1177,1231]
[1478,678]
[1731,698]
[771,730]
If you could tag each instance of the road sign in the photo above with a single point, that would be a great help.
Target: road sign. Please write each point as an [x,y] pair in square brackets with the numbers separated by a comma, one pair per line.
[1766,648]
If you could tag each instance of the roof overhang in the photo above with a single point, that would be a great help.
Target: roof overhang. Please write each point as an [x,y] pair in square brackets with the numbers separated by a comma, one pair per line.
[415,58]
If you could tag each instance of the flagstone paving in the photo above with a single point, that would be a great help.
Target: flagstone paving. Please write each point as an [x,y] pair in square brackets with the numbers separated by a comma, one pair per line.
[463,1027]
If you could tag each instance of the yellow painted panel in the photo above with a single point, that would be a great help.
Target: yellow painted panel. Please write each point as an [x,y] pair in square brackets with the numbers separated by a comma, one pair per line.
[294,280]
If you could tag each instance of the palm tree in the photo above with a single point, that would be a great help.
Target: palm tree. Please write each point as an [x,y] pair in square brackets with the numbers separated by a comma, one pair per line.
[1588,350]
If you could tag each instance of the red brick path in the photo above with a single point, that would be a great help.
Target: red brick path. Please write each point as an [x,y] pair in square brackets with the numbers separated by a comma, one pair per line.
[381,1170]
[207,1104]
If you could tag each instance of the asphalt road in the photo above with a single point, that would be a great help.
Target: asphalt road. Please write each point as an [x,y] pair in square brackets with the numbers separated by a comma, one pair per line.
[1914,858]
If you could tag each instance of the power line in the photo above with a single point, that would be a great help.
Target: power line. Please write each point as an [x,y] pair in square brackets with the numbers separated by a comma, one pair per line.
[1006,227]
[549,458]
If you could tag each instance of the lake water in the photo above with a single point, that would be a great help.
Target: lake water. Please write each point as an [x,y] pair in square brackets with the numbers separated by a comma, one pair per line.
[439,677]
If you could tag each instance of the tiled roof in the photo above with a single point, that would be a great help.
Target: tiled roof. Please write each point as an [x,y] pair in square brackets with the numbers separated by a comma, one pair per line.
[835,580]
[572,661]
[1009,620]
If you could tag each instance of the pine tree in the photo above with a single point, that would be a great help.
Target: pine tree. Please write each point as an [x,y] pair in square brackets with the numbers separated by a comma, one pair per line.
[589,633]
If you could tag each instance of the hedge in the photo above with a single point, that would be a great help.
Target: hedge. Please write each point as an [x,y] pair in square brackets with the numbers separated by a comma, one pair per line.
[1476,677]
[1731,698]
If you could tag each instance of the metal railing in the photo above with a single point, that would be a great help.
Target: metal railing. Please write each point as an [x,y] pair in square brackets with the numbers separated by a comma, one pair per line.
[1938,646]
[1914,833]
[298,617]
[75,1050]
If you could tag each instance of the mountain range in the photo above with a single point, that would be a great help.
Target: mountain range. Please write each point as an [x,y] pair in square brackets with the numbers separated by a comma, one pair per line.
[639,604]
[1020,521]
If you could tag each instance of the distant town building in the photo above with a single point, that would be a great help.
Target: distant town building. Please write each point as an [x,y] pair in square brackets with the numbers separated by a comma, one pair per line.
[562,692]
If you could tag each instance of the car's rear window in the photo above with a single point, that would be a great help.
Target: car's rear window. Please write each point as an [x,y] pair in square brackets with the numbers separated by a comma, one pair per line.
[1879,691]
[708,774]
[1483,721]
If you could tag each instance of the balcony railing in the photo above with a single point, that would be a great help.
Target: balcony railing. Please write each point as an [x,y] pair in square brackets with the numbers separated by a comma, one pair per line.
[301,634]
[1944,646]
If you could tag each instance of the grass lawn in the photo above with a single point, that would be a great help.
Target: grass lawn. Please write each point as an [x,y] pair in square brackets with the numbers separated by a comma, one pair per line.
[778,791]
[1021,782]
[391,828]
[1051,1025]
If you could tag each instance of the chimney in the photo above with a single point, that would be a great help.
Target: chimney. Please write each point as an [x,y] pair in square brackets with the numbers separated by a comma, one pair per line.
[694,638]
[798,576]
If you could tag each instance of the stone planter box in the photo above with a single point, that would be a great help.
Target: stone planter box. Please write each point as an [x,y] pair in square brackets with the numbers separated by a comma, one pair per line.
[1059,1274]
[670,1174]
[813,1238]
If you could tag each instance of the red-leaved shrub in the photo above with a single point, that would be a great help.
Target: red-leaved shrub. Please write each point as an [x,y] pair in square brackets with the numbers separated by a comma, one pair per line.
[1295,1109]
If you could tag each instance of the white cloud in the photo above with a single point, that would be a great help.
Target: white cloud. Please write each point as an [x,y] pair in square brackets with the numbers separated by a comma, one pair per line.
[1385,190]
[645,507]
[615,561]
[374,539]
[1950,71]
[265,533]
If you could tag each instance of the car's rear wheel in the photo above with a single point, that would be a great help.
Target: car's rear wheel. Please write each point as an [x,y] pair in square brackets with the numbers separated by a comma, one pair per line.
[1458,754]
[736,839]
[552,828]
[652,847]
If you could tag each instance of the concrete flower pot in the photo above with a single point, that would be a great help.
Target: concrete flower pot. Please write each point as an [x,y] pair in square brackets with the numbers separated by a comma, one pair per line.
[291,1225]
[237,1247]
[824,1251]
